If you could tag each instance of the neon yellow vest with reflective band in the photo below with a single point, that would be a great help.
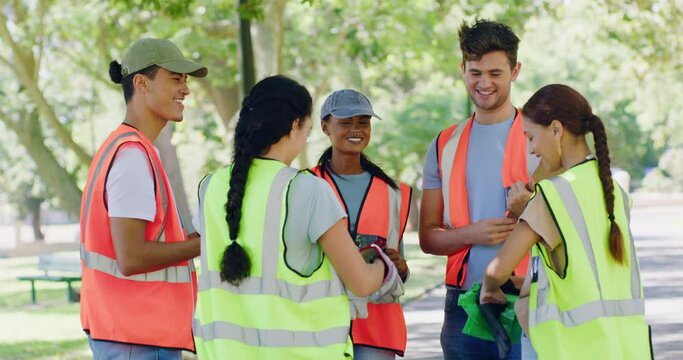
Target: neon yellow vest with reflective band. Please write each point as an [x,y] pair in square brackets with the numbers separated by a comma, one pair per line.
[596,311]
[275,313]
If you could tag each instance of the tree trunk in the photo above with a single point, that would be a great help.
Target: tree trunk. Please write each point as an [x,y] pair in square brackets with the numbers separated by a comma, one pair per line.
[226,100]
[246,52]
[34,208]
[414,214]
[56,177]
[23,64]
[169,157]
[269,36]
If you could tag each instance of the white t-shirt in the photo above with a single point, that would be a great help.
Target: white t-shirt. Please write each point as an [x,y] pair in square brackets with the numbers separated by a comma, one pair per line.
[130,184]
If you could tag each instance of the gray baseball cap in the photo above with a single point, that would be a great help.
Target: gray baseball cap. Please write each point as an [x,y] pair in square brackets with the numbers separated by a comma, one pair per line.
[346,103]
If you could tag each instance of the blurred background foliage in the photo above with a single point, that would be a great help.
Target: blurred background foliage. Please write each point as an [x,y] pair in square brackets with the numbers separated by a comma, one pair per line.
[58,103]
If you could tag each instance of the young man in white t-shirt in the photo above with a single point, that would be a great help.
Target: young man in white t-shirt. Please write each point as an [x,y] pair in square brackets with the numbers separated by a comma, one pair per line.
[138,285]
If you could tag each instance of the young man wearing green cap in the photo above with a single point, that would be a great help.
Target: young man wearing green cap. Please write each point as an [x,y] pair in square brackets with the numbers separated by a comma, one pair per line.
[139,285]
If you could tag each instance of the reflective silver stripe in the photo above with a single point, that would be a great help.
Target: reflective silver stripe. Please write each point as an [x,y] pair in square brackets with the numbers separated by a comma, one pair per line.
[257,286]
[587,312]
[268,283]
[160,183]
[598,308]
[98,168]
[635,271]
[543,285]
[270,337]
[161,237]
[394,217]
[448,156]
[203,186]
[564,189]
[270,250]
[107,265]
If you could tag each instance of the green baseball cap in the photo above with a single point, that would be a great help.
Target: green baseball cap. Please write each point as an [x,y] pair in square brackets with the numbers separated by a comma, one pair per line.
[147,52]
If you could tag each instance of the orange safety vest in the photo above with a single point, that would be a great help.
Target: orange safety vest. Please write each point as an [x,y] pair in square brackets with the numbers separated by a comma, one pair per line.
[385,326]
[452,144]
[153,308]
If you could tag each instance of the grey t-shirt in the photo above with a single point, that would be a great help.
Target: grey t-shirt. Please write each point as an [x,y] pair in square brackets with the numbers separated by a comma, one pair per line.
[353,188]
[312,208]
[484,185]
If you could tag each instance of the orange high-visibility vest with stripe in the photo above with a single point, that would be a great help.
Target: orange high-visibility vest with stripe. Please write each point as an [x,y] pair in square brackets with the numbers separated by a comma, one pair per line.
[452,144]
[384,213]
[153,308]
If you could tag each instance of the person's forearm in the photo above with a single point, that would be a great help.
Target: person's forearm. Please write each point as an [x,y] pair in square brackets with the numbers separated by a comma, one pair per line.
[150,256]
[436,240]
[495,276]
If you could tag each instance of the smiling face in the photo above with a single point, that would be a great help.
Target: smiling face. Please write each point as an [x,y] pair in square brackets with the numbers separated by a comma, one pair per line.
[544,143]
[165,94]
[488,80]
[348,135]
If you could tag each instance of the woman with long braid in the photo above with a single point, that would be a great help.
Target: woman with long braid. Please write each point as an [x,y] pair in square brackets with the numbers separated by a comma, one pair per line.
[585,294]
[273,241]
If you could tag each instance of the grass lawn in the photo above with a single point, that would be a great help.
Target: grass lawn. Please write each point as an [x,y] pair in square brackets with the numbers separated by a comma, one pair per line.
[65,349]
[426,271]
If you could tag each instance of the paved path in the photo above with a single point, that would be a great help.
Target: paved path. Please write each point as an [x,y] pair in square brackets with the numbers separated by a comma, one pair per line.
[659,240]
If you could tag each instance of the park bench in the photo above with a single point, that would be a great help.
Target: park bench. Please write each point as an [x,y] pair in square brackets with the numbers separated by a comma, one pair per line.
[67,267]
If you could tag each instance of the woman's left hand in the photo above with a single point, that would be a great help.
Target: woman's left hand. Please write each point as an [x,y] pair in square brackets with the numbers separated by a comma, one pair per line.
[492,297]
[399,262]
[518,196]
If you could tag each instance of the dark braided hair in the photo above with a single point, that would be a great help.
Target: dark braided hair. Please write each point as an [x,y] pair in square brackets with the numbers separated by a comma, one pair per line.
[127,81]
[267,114]
[365,163]
[566,105]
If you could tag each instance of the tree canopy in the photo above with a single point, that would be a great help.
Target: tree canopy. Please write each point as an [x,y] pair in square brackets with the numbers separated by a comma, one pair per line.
[58,102]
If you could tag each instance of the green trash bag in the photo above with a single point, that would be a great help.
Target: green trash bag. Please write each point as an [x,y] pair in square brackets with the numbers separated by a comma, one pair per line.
[476,325]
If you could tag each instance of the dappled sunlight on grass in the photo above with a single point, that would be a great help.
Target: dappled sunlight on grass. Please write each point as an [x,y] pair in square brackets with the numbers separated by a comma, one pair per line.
[68,349]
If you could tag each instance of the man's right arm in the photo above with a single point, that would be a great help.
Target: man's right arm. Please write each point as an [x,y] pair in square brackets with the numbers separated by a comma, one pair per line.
[135,255]
[132,205]
[434,238]
[437,240]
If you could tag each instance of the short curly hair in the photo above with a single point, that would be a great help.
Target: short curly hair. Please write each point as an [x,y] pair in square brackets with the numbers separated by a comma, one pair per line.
[485,36]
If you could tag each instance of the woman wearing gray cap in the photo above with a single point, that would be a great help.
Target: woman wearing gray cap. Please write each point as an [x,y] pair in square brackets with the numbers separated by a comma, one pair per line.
[377,208]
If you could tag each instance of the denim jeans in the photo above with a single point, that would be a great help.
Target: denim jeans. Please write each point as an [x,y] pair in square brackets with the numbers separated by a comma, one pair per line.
[458,346]
[361,352]
[109,350]
[528,352]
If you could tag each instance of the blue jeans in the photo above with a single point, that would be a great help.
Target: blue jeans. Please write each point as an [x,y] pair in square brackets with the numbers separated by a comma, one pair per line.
[109,350]
[528,352]
[361,352]
[458,346]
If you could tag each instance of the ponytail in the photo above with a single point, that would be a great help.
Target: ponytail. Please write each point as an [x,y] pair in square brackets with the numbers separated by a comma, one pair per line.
[616,243]
[267,114]
[115,72]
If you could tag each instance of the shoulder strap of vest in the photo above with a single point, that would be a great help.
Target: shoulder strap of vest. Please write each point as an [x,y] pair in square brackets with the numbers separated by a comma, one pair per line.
[406,202]
[441,141]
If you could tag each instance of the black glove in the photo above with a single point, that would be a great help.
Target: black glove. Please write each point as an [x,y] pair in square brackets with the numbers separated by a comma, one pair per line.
[491,313]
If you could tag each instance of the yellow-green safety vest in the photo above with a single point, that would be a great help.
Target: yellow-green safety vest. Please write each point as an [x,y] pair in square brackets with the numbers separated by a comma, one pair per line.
[596,310]
[274,313]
